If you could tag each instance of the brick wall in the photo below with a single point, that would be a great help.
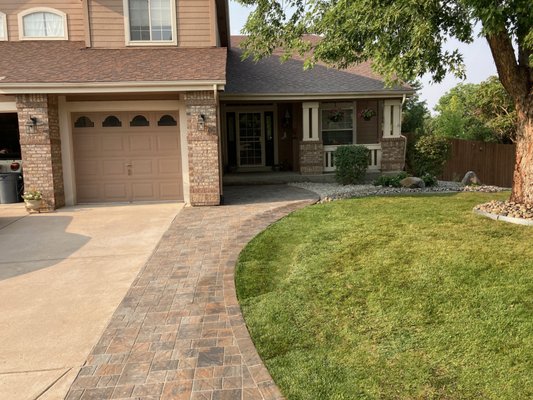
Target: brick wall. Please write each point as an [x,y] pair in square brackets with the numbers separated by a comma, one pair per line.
[41,148]
[393,154]
[311,158]
[203,150]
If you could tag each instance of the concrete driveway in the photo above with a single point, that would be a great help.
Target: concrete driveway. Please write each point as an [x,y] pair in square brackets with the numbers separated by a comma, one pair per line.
[62,275]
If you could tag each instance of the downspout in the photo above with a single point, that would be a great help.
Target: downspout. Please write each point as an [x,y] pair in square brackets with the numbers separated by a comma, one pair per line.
[405,137]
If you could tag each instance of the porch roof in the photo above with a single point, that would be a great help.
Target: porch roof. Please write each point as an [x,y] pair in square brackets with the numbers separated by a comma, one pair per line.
[271,77]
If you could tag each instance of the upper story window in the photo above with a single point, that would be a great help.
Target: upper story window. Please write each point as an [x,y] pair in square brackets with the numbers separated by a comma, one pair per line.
[43,24]
[151,21]
[3,26]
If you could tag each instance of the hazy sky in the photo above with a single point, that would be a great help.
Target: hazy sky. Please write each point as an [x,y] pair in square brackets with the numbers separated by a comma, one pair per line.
[478,60]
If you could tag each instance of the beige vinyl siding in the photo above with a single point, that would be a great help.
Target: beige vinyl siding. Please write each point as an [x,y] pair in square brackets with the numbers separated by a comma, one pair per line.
[73,9]
[107,23]
[368,131]
[195,23]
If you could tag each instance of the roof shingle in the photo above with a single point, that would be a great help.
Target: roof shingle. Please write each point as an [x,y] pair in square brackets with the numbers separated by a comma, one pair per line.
[71,62]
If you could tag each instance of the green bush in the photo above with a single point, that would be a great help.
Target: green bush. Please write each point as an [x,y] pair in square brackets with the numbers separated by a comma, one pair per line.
[429,155]
[430,180]
[390,180]
[351,163]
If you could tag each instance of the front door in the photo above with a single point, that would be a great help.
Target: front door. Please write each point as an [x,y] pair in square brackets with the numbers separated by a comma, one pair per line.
[250,141]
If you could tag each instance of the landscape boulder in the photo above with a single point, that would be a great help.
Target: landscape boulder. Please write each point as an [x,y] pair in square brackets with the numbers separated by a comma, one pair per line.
[413,182]
[471,179]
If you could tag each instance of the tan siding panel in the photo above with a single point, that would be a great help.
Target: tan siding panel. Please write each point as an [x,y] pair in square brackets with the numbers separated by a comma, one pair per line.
[73,9]
[107,23]
[194,23]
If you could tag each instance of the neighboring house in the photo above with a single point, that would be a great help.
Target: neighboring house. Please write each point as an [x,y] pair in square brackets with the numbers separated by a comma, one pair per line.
[139,100]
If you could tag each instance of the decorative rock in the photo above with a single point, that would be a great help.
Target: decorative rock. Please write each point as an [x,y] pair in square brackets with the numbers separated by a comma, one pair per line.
[470,178]
[507,209]
[413,182]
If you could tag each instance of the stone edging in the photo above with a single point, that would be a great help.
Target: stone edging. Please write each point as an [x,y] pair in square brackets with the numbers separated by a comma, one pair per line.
[497,217]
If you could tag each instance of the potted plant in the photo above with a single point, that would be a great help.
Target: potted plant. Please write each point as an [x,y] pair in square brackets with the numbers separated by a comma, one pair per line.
[367,114]
[335,115]
[33,199]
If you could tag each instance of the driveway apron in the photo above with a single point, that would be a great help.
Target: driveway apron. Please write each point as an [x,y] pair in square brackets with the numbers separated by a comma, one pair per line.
[179,332]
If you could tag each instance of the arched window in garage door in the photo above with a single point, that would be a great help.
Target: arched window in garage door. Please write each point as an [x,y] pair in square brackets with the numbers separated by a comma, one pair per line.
[84,122]
[139,120]
[111,122]
[167,120]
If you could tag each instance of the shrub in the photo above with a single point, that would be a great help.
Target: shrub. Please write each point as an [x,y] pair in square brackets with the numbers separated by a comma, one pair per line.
[390,180]
[430,180]
[430,154]
[351,163]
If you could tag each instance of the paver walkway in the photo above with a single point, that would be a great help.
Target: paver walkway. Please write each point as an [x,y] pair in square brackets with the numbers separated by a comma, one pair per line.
[179,332]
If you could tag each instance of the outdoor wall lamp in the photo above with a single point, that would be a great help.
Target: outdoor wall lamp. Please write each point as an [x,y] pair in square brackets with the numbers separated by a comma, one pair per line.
[201,122]
[287,119]
[31,125]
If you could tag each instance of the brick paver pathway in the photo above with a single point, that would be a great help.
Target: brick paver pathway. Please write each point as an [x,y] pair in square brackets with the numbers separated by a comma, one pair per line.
[179,332]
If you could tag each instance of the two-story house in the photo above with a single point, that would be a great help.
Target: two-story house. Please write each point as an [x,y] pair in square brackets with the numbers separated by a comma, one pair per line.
[140,100]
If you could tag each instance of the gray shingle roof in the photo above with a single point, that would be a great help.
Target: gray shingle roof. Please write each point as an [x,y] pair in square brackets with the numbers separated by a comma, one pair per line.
[270,76]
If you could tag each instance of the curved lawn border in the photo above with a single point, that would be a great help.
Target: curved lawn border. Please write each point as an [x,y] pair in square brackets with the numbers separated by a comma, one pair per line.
[504,218]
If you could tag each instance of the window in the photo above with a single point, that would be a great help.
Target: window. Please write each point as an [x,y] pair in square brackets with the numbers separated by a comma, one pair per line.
[111,122]
[3,26]
[84,122]
[151,21]
[167,120]
[337,125]
[43,23]
[139,120]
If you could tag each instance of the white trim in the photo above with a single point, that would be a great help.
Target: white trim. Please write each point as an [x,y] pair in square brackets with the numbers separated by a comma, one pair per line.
[25,13]
[109,87]
[127,36]
[3,18]
[184,146]
[8,106]
[67,152]
[313,96]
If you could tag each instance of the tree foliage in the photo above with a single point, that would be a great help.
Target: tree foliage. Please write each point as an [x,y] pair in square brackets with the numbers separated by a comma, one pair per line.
[415,113]
[482,111]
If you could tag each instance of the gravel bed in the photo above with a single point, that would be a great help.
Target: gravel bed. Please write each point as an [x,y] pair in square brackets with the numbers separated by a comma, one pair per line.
[507,209]
[334,191]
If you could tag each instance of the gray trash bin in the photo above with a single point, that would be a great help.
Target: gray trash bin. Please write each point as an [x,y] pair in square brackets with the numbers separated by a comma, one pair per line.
[8,188]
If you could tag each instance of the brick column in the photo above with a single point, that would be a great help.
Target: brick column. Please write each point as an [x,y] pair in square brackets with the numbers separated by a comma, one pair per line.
[311,158]
[393,154]
[41,147]
[202,137]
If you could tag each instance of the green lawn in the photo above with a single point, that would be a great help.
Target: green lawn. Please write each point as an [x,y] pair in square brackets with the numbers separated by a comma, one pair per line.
[404,297]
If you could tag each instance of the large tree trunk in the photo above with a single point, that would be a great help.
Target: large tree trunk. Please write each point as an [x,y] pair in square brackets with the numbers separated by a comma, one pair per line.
[523,171]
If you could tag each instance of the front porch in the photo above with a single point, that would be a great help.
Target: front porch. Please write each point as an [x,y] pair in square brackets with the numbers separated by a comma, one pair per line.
[282,141]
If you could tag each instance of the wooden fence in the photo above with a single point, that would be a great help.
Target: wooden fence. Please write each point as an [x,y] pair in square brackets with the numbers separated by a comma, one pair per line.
[492,162]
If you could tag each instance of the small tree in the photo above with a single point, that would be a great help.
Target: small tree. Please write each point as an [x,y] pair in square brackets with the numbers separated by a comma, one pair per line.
[351,163]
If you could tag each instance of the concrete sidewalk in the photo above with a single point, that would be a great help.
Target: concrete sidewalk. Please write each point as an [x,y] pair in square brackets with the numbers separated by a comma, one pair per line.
[62,275]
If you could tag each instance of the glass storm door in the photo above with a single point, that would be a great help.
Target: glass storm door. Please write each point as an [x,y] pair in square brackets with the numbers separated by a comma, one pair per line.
[251,140]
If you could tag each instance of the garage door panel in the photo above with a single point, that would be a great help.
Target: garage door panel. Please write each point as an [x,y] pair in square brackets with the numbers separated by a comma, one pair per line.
[102,156]
[168,167]
[112,143]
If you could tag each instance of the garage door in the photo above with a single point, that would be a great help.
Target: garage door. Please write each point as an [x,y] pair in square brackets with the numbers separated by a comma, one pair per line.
[133,156]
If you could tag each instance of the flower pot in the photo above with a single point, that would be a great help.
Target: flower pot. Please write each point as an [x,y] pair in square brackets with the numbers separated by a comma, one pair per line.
[33,205]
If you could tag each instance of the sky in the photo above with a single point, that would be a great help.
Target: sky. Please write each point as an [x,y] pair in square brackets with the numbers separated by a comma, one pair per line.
[477,58]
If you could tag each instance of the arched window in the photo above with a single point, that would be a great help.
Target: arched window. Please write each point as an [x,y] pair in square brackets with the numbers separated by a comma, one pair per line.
[139,120]
[167,120]
[3,26]
[111,122]
[84,122]
[43,23]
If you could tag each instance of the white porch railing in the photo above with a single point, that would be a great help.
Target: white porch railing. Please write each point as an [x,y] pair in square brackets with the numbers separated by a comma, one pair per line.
[374,162]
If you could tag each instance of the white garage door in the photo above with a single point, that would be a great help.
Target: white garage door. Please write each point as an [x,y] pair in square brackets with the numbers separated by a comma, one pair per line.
[133,156]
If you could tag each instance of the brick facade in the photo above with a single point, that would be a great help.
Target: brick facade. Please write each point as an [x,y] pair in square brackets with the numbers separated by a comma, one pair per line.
[311,158]
[393,154]
[203,149]
[41,147]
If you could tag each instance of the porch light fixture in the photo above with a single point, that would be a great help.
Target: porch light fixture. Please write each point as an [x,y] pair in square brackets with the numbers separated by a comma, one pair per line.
[287,119]
[31,125]
[201,122]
